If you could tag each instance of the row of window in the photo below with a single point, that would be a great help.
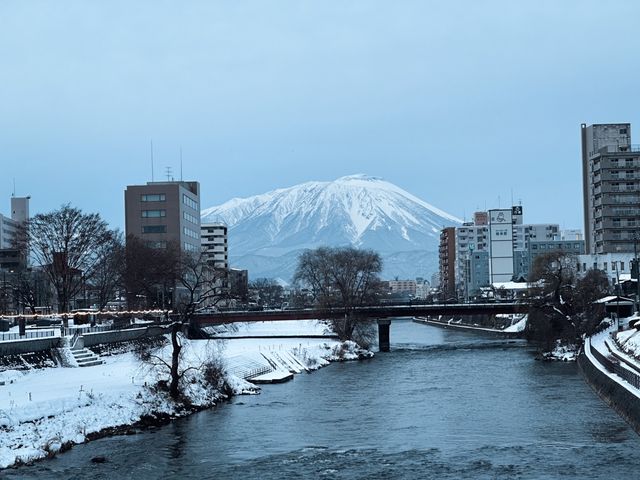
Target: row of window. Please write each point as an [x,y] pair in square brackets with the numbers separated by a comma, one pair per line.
[154,197]
[154,229]
[190,233]
[190,218]
[190,247]
[189,202]
[158,244]
[154,213]
[614,266]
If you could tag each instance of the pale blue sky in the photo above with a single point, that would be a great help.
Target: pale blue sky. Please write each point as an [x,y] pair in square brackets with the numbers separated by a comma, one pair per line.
[458,102]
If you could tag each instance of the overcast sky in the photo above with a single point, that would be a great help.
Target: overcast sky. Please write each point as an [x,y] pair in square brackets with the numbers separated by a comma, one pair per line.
[459,102]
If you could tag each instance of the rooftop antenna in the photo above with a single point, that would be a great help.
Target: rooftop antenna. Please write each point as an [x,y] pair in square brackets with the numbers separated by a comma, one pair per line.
[180,162]
[168,173]
[152,160]
[512,197]
[14,187]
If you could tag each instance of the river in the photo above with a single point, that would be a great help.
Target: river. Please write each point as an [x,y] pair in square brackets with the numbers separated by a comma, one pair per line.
[442,404]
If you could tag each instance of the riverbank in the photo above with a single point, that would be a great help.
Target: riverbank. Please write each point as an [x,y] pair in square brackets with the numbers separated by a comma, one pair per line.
[45,411]
[514,331]
[610,364]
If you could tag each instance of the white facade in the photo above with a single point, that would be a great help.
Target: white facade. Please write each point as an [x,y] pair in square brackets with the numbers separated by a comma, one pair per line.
[9,226]
[571,235]
[614,265]
[214,244]
[403,286]
[523,234]
[500,245]
[470,238]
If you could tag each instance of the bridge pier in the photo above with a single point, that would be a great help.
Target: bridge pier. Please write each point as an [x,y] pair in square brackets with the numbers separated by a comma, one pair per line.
[384,343]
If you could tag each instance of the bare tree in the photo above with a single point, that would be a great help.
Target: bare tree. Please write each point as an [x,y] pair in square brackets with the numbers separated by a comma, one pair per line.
[562,306]
[268,292]
[197,284]
[150,274]
[107,275]
[65,244]
[342,278]
[200,285]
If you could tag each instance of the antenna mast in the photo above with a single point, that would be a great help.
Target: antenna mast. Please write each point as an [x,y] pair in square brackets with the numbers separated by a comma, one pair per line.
[180,162]
[152,160]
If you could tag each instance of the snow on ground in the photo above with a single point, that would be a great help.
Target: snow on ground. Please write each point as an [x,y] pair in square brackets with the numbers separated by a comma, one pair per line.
[279,328]
[563,353]
[519,326]
[41,410]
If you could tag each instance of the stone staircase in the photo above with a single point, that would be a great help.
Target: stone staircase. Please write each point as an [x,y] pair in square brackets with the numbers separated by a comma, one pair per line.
[85,357]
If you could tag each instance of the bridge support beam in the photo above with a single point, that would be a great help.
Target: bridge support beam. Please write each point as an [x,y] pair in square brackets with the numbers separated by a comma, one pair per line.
[383,334]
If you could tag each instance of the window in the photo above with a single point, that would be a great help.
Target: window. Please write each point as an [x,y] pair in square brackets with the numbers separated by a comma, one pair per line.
[623,131]
[622,266]
[154,197]
[190,202]
[154,213]
[190,218]
[189,247]
[604,265]
[159,244]
[154,229]
[190,233]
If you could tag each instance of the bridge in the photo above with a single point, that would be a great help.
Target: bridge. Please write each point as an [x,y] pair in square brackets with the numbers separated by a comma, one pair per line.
[382,313]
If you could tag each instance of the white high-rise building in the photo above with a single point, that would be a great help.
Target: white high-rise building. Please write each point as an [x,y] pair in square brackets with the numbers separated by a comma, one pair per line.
[9,226]
[214,244]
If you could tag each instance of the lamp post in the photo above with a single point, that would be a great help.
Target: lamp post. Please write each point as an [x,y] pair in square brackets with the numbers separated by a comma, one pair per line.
[637,269]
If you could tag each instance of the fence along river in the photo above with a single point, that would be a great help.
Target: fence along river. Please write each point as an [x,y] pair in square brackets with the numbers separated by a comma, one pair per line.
[443,404]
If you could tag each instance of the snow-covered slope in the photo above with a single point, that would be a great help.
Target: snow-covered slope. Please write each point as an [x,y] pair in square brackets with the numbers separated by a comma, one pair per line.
[357,210]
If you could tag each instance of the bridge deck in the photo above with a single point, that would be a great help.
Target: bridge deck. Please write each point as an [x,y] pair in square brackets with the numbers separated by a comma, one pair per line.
[383,311]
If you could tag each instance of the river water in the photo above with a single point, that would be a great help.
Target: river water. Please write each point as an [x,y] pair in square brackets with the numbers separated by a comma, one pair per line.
[442,404]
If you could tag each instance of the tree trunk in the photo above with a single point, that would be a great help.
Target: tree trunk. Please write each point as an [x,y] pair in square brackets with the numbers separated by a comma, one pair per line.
[175,360]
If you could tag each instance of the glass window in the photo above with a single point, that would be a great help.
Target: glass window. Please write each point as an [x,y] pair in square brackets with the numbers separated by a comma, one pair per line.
[154,229]
[154,197]
[190,202]
[154,213]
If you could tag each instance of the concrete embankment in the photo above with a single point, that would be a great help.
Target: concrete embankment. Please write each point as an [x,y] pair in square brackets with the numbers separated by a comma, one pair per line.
[468,328]
[623,400]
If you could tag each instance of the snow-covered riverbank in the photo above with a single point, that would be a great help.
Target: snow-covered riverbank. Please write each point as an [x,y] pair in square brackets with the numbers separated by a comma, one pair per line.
[46,410]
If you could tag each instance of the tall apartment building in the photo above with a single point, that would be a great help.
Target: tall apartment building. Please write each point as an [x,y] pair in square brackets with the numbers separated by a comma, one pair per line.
[214,244]
[611,188]
[10,225]
[447,260]
[471,252]
[162,212]
[10,257]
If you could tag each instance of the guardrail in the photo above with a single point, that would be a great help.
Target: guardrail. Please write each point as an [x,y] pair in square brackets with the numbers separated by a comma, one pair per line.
[614,366]
[4,337]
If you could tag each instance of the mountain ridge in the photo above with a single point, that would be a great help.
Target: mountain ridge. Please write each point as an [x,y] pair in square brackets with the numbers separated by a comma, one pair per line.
[356,210]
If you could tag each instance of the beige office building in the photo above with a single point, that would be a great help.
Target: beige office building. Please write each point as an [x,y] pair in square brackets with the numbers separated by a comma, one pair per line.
[160,213]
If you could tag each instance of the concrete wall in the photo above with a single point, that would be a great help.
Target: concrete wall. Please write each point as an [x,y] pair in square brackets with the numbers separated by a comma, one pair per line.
[619,398]
[91,339]
[17,347]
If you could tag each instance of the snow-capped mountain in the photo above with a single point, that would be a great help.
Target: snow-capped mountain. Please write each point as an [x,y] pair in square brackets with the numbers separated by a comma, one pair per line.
[358,210]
